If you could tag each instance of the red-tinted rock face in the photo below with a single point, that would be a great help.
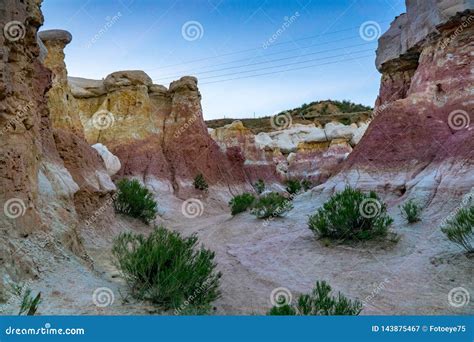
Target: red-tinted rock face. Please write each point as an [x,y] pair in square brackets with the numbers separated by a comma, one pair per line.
[426,116]
[158,134]
[45,173]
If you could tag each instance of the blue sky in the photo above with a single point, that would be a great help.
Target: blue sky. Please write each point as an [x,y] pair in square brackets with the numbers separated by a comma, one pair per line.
[301,50]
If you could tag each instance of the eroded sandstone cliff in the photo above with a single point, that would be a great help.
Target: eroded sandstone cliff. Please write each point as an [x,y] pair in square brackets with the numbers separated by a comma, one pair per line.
[421,142]
[48,173]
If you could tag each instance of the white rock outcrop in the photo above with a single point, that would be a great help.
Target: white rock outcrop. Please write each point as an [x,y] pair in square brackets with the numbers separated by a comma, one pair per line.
[112,162]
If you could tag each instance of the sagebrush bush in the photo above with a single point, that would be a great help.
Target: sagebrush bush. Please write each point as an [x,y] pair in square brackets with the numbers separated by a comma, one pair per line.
[320,302]
[271,205]
[241,203]
[259,186]
[306,184]
[167,269]
[135,200]
[411,211]
[293,186]
[351,214]
[200,182]
[459,229]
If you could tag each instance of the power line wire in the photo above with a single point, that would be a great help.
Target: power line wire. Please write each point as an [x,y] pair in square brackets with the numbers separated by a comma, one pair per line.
[283,71]
[284,65]
[266,62]
[266,55]
[258,48]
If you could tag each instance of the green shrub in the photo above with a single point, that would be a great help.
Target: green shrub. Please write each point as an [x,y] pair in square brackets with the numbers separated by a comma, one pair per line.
[293,186]
[272,204]
[200,183]
[167,269]
[29,304]
[306,184]
[351,214]
[320,302]
[241,203]
[259,186]
[135,200]
[411,211]
[459,229]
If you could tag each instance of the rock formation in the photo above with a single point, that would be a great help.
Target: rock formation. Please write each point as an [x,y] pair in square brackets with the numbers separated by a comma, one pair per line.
[422,138]
[300,151]
[46,169]
[157,133]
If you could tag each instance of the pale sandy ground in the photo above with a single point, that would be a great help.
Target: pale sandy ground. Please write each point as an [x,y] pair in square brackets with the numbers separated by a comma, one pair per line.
[413,276]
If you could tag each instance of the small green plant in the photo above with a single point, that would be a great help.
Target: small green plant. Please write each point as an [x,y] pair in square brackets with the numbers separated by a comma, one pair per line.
[259,186]
[319,302]
[271,205]
[459,229]
[29,304]
[135,200]
[411,211]
[293,186]
[241,203]
[200,182]
[167,269]
[306,184]
[351,214]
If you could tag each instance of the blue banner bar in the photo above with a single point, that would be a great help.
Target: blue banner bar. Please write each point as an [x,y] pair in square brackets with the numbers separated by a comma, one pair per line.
[245,329]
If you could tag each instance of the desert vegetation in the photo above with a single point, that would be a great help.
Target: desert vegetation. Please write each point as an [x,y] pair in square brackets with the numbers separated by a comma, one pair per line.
[411,211]
[200,182]
[272,204]
[259,186]
[28,303]
[459,229]
[351,214]
[167,269]
[135,200]
[293,186]
[320,302]
[241,203]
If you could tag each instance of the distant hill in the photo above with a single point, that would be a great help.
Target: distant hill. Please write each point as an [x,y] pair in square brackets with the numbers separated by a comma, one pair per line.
[320,112]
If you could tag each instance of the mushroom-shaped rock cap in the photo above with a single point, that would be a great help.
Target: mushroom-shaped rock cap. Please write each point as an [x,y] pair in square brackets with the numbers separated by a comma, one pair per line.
[184,83]
[55,35]
[127,78]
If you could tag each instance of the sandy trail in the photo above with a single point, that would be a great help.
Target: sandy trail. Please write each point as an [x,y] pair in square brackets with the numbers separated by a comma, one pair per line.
[413,276]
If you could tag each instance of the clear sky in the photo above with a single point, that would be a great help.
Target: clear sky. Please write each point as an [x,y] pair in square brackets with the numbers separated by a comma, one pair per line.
[252,57]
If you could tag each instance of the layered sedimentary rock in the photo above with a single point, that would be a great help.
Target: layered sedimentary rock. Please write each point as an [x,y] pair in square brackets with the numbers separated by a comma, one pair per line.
[157,133]
[84,163]
[42,169]
[300,151]
[423,136]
